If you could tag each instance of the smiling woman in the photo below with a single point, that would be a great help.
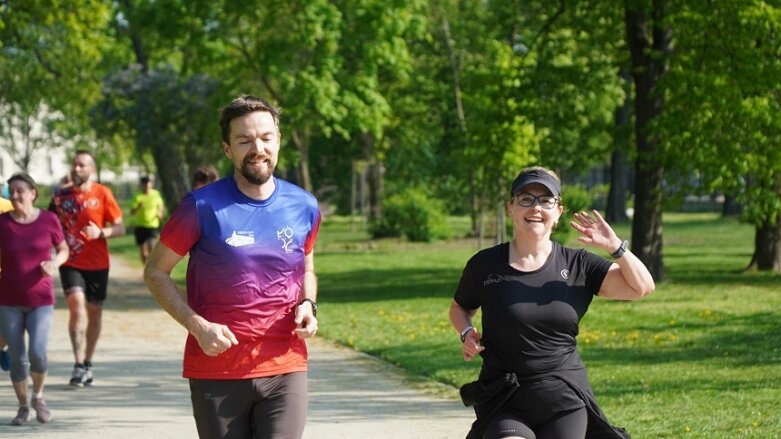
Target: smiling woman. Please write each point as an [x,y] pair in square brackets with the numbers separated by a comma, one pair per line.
[27,236]
[533,293]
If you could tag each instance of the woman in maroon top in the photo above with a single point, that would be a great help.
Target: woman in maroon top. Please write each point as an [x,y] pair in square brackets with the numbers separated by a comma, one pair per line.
[27,236]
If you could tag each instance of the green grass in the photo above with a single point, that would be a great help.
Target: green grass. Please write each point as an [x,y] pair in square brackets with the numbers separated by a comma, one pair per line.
[700,358]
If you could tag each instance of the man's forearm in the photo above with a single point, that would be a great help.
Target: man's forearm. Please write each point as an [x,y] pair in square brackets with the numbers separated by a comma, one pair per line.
[114,230]
[170,298]
[309,286]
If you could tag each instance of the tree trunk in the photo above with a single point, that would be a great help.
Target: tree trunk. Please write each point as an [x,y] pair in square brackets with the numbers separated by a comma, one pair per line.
[767,247]
[138,44]
[455,68]
[615,211]
[731,206]
[375,176]
[301,142]
[501,223]
[173,181]
[500,208]
[649,62]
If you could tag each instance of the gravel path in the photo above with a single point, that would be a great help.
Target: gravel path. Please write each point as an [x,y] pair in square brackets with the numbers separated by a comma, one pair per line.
[139,392]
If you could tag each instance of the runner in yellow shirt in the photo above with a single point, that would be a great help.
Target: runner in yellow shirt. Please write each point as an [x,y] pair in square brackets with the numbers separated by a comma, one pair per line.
[148,208]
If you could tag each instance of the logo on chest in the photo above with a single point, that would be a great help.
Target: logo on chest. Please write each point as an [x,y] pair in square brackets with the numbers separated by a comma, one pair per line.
[286,236]
[240,239]
[492,279]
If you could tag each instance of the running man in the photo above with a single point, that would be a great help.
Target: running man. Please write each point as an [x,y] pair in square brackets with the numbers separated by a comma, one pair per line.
[90,215]
[251,285]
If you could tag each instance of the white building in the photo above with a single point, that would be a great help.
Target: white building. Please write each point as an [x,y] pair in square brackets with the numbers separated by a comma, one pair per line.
[49,154]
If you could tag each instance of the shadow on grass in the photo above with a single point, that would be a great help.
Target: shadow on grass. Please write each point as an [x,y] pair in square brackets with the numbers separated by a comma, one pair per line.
[369,285]
[749,340]
[703,278]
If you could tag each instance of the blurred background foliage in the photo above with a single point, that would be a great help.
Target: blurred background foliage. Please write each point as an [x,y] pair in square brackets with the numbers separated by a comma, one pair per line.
[430,103]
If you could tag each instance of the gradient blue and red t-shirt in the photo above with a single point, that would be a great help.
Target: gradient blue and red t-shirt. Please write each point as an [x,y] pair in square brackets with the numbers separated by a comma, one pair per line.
[245,271]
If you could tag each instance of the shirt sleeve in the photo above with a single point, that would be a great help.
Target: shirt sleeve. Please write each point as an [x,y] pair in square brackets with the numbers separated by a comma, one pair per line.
[112,213]
[56,230]
[159,196]
[468,293]
[309,244]
[182,230]
[134,202]
[595,268]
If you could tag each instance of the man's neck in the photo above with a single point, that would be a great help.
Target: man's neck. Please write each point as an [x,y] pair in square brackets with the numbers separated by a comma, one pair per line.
[85,186]
[258,192]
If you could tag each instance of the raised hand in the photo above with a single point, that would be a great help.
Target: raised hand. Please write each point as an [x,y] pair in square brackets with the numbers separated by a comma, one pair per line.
[595,231]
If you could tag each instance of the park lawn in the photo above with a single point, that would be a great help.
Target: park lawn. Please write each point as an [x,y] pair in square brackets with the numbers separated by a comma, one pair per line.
[699,358]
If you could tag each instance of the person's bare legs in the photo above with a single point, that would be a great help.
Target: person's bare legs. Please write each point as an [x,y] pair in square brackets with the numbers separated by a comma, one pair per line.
[77,324]
[42,413]
[20,388]
[95,316]
[145,249]
[81,329]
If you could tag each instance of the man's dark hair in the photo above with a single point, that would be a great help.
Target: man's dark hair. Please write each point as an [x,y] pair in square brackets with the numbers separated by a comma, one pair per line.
[204,175]
[244,105]
[85,152]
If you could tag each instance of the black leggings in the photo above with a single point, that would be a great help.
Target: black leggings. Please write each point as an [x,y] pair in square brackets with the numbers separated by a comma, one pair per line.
[260,408]
[565,425]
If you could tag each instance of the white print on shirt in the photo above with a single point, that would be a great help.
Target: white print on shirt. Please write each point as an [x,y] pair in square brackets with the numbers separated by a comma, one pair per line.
[565,273]
[240,239]
[492,279]
[286,236]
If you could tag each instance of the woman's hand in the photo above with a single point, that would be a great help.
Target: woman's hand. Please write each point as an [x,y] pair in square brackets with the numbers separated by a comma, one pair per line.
[595,230]
[48,268]
[472,345]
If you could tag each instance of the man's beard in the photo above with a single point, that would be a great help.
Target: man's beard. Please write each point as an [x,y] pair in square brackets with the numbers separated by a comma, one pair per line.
[255,175]
[77,179]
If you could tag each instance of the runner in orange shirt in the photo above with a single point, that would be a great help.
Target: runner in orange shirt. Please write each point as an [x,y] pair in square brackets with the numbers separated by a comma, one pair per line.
[89,214]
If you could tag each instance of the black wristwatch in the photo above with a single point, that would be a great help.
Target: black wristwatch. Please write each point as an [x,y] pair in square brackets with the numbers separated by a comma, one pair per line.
[621,250]
[465,332]
[311,302]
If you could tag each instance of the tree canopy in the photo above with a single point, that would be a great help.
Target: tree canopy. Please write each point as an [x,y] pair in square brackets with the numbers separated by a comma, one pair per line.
[450,97]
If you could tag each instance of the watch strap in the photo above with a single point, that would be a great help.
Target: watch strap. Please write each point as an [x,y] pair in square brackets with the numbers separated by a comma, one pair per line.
[311,302]
[465,332]
[621,250]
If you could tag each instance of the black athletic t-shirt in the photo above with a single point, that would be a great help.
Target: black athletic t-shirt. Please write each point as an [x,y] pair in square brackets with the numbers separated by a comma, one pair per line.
[530,319]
